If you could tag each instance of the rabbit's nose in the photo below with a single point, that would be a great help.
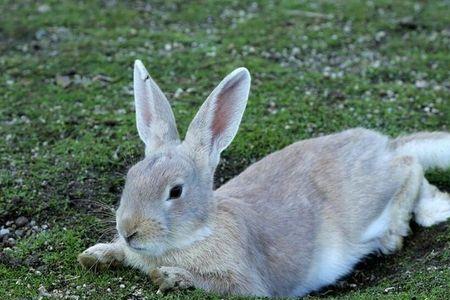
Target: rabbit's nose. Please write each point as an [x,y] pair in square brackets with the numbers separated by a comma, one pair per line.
[130,237]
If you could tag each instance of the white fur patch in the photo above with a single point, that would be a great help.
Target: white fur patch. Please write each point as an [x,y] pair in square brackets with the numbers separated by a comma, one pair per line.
[431,211]
[378,227]
[198,235]
[337,259]
[430,153]
[433,205]
[334,261]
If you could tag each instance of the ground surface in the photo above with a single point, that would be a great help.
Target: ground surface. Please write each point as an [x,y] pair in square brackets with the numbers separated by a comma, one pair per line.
[67,122]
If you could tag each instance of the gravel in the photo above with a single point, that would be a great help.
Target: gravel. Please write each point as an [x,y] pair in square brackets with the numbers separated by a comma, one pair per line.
[22,227]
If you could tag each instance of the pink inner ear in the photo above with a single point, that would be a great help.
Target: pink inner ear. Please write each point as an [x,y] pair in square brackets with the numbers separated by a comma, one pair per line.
[145,106]
[224,107]
[146,115]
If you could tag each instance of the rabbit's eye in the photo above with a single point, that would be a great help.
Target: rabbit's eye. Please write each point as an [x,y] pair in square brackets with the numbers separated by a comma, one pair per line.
[175,192]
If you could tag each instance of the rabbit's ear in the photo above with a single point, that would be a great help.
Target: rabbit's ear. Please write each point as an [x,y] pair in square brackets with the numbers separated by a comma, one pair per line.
[154,117]
[218,119]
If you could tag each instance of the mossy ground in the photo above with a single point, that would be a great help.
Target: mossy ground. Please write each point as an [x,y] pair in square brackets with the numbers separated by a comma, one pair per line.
[68,134]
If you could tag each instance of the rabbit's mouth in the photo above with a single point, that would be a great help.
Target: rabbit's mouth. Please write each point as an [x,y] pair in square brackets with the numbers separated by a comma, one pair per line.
[137,249]
[151,249]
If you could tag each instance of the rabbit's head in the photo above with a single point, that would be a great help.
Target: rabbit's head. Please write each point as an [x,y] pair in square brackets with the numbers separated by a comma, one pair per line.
[167,201]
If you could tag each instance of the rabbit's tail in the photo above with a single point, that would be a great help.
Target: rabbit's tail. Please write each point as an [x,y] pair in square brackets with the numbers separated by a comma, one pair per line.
[432,149]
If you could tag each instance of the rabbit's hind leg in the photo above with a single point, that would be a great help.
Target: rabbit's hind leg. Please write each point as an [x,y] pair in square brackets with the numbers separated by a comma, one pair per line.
[102,256]
[433,205]
[402,204]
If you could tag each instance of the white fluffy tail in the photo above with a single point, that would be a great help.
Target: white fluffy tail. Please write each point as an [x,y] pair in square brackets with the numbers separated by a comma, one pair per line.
[432,149]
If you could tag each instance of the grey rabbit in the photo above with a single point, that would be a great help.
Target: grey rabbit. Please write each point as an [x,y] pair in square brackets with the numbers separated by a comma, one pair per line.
[293,222]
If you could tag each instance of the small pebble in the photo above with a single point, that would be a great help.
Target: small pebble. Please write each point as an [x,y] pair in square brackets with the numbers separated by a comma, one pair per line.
[4,231]
[43,292]
[21,221]
[43,8]
[421,84]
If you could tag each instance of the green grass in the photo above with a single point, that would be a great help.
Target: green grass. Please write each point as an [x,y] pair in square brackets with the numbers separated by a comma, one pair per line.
[383,65]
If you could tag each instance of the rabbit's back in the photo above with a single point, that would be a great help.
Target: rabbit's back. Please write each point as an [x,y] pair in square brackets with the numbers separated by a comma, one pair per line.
[342,170]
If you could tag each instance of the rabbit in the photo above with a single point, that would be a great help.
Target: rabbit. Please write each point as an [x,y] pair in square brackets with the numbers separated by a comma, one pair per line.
[293,222]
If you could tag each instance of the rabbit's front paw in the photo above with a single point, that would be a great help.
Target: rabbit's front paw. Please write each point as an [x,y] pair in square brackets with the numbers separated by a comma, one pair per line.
[101,256]
[171,278]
